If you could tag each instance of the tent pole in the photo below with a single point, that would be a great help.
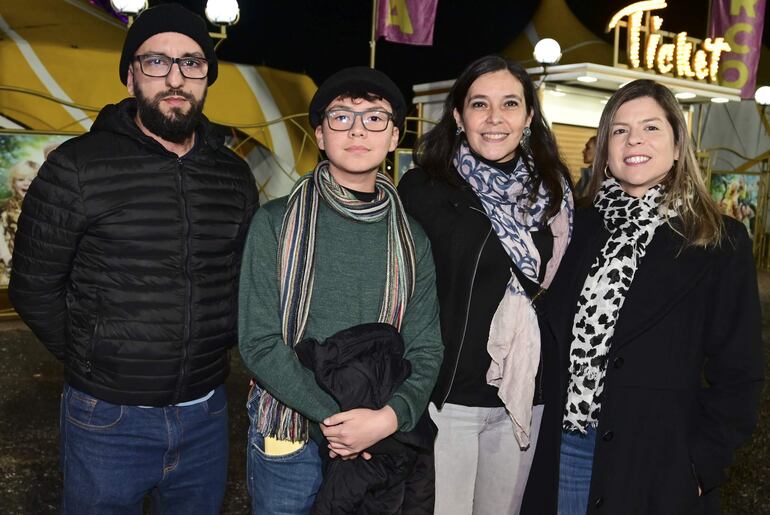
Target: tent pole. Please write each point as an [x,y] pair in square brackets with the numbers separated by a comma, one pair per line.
[373,40]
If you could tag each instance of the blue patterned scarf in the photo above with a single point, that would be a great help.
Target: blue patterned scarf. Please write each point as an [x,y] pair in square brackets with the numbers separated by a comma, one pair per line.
[512,208]
[515,209]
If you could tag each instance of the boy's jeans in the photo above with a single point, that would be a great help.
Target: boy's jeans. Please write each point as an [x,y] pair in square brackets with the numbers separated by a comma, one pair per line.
[280,485]
[113,455]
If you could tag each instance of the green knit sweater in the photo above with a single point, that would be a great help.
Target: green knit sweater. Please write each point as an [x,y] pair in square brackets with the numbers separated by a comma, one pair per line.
[350,268]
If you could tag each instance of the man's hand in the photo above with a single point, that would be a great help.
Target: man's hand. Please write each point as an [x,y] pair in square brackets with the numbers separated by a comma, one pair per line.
[350,432]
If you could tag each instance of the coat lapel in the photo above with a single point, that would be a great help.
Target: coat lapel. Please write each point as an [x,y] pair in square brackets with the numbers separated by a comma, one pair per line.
[664,277]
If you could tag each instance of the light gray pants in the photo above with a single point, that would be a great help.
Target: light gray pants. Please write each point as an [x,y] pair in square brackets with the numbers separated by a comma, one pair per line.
[480,469]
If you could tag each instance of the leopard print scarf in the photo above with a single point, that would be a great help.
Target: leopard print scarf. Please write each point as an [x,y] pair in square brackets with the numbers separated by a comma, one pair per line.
[631,223]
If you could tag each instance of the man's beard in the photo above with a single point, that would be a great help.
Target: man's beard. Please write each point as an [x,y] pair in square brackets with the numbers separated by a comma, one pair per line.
[175,127]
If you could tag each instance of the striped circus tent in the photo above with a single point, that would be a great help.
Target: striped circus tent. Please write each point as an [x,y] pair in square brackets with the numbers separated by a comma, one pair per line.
[59,65]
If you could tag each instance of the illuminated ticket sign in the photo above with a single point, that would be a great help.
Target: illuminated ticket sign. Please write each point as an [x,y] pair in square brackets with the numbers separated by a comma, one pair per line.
[650,48]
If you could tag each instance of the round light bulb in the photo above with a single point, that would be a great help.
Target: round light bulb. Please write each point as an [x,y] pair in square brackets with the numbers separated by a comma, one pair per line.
[222,12]
[131,7]
[762,96]
[547,51]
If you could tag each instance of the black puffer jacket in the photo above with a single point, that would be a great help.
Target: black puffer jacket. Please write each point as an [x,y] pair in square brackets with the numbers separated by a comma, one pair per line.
[127,257]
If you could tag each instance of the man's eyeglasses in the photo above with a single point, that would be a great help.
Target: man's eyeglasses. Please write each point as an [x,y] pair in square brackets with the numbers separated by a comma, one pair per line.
[343,119]
[159,65]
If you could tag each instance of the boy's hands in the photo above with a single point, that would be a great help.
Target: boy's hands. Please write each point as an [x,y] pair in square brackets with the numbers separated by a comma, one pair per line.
[364,455]
[350,432]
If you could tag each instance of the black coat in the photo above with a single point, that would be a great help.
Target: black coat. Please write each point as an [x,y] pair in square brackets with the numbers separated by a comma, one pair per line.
[683,377]
[126,260]
[459,231]
[362,367]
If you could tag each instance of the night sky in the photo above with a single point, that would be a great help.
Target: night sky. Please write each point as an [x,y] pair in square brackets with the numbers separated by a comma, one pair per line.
[318,37]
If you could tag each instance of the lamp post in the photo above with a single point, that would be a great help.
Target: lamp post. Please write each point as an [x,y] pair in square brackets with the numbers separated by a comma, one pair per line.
[762,98]
[222,13]
[129,8]
[547,52]
[762,95]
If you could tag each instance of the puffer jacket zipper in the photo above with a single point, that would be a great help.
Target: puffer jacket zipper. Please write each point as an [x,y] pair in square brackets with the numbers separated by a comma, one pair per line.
[187,282]
[89,361]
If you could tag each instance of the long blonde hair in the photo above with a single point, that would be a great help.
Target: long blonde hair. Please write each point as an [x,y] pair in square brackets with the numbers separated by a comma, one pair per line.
[700,222]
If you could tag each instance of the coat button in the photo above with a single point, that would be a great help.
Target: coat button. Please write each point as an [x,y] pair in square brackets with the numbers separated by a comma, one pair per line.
[598,502]
[607,436]
[617,362]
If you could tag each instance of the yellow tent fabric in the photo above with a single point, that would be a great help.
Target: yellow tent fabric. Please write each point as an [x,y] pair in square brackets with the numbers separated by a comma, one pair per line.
[70,50]
[554,19]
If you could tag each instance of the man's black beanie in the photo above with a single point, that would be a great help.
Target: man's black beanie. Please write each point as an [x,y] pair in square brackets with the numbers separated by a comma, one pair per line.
[168,18]
[357,80]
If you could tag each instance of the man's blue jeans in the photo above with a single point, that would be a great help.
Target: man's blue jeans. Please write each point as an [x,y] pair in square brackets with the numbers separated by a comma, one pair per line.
[113,455]
[575,465]
[280,485]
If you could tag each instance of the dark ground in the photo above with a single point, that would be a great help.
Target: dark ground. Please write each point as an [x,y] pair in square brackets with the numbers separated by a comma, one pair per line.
[30,387]
[31,382]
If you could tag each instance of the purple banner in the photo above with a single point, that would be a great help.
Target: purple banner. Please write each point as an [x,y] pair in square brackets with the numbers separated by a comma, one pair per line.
[740,22]
[406,21]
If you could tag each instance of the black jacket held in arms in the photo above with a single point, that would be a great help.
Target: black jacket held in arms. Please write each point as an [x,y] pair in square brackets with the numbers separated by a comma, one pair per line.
[127,257]
[683,376]
[361,367]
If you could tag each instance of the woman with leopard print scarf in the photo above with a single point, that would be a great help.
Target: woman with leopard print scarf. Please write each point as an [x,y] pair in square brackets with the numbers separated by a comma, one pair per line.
[657,293]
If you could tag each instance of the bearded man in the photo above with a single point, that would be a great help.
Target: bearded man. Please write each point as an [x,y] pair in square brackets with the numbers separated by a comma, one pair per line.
[125,267]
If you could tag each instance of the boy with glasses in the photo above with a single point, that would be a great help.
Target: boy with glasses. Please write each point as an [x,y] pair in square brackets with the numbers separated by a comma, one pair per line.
[125,267]
[336,253]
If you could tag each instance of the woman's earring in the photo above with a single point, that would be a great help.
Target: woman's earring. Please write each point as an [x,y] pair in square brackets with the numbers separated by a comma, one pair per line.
[607,173]
[524,141]
[458,131]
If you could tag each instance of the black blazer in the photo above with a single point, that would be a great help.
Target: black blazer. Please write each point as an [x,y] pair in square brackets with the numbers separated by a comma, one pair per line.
[459,231]
[683,378]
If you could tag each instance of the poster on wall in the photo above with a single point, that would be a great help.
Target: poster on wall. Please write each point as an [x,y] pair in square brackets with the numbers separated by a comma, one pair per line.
[737,195]
[403,163]
[21,154]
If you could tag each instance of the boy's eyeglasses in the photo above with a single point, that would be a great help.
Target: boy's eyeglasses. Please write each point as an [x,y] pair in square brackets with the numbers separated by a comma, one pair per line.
[159,65]
[343,119]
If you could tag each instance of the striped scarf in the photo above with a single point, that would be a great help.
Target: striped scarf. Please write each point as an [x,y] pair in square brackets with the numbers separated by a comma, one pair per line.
[296,252]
